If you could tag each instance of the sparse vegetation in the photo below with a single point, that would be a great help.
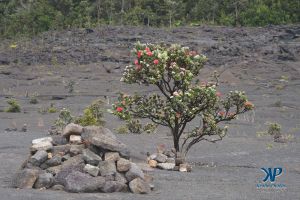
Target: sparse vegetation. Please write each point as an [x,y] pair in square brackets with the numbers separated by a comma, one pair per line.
[33,99]
[70,86]
[14,106]
[64,118]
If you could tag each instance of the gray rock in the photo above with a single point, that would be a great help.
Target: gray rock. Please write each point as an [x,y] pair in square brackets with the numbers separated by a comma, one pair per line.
[107,168]
[120,178]
[72,129]
[45,180]
[153,156]
[62,149]
[134,172]
[38,158]
[166,166]
[112,156]
[76,149]
[59,140]
[93,131]
[61,176]
[41,146]
[54,170]
[72,161]
[111,144]
[90,169]
[170,160]
[58,187]
[123,165]
[54,161]
[81,182]
[114,186]
[25,178]
[161,158]
[90,157]
[138,186]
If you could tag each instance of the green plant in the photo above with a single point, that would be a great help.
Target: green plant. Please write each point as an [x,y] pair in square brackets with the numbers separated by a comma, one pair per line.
[52,109]
[14,106]
[122,130]
[92,115]
[33,99]
[172,69]
[64,118]
[70,86]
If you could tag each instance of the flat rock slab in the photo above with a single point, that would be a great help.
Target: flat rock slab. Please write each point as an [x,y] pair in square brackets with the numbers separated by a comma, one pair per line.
[80,182]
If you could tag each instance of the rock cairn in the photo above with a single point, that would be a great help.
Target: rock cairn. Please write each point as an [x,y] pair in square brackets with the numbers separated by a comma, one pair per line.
[168,160]
[82,159]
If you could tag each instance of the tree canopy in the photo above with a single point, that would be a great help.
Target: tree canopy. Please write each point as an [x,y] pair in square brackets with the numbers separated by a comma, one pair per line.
[35,16]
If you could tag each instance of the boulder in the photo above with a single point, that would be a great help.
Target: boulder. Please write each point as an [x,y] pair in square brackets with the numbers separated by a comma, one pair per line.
[75,139]
[114,186]
[46,145]
[170,160]
[134,172]
[153,156]
[59,140]
[93,131]
[62,149]
[54,170]
[138,186]
[80,182]
[112,156]
[120,178]
[107,168]
[72,129]
[166,166]
[25,179]
[161,158]
[90,169]
[73,161]
[123,165]
[45,180]
[90,157]
[76,149]
[54,161]
[38,158]
[41,140]
[60,177]
[110,144]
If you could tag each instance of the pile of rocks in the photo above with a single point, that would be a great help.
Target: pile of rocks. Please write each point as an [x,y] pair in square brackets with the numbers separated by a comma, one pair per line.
[168,160]
[82,159]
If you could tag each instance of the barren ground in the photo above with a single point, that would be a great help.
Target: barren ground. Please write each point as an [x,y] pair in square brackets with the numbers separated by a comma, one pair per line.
[262,61]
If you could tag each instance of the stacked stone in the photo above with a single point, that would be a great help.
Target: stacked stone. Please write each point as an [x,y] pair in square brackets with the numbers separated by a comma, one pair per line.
[82,159]
[168,160]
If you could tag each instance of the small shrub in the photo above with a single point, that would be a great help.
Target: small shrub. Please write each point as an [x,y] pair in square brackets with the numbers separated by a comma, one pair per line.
[52,109]
[150,128]
[134,126]
[64,118]
[70,86]
[14,106]
[122,130]
[33,99]
[92,115]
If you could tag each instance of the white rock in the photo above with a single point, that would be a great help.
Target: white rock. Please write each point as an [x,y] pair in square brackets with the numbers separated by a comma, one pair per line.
[166,166]
[75,139]
[92,170]
[44,139]
[42,146]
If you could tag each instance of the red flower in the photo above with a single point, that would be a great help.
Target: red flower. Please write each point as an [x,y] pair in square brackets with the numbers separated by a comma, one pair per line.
[138,67]
[248,105]
[136,62]
[219,94]
[221,113]
[156,62]
[139,54]
[149,53]
[147,49]
[119,109]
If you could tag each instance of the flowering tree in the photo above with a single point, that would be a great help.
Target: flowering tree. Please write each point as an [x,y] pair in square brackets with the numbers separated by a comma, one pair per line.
[182,99]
